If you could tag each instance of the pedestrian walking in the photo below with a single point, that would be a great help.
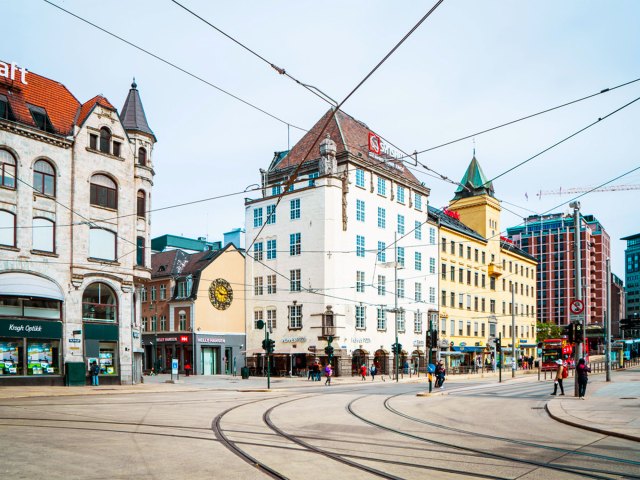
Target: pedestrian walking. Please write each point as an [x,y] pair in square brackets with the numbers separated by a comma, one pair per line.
[363,372]
[328,371]
[530,362]
[583,370]
[187,369]
[94,370]
[440,374]
[560,375]
[373,372]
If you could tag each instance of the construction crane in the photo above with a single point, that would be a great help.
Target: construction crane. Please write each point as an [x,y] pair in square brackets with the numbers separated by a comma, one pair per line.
[571,191]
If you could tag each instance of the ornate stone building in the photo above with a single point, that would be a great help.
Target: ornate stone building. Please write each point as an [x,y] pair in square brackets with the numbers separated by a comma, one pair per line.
[75,191]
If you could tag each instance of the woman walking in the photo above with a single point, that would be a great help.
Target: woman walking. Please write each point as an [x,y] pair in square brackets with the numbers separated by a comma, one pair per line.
[559,377]
[583,377]
[328,371]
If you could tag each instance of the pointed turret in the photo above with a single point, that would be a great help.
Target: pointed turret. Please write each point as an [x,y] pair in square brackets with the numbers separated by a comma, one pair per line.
[132,115]
[474,182]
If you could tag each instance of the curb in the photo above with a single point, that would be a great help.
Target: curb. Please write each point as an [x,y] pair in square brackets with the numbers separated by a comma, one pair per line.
[602,431]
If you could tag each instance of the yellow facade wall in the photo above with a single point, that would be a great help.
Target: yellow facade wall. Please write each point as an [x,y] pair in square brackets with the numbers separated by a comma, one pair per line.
[230,267]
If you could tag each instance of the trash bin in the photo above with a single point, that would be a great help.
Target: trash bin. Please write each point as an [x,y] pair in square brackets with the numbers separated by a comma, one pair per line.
[75,374]
[244,372]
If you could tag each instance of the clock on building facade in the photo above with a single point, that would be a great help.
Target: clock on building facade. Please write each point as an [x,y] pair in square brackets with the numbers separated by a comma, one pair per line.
[220,294]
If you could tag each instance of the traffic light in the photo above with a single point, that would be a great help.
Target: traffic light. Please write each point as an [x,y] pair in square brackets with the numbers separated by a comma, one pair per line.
[498,345]
[272,346]
[268,345]
[578,333]
[265,345]
[329,351]
[396,348]
[571,332]
[434,338]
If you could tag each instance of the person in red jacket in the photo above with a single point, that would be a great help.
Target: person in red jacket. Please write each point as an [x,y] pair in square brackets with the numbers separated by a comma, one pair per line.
[363,371]
[583,370]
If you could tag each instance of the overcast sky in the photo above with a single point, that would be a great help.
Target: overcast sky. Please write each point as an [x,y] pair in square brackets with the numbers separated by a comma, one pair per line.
[472,65]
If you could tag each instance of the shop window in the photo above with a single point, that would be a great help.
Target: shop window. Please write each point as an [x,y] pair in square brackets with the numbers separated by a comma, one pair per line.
[102,244]
[11,358]
[141,204]
[108,358]
[105,140]
[44,178]
[7,170]
[43,357]
[7,228]
[99,303]
[43,235]
[103,192]
[142,157]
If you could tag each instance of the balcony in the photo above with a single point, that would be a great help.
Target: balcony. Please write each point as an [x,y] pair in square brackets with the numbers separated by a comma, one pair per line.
[495,270]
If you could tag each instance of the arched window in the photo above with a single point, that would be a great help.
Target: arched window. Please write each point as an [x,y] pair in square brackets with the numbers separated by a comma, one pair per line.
[7,228]
[44,178]
[142,156]
[141,204]
[7,170]
[44,236]
[104,192]
[105,140]
[99,303]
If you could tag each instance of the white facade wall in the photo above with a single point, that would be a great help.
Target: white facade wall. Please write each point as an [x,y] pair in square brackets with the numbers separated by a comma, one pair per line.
[329,263]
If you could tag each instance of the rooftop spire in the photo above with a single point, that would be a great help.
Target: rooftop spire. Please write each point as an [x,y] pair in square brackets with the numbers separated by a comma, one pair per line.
[474,183]
[132,115]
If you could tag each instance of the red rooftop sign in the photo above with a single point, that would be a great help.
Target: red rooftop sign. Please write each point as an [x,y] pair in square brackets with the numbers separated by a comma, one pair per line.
[375,145]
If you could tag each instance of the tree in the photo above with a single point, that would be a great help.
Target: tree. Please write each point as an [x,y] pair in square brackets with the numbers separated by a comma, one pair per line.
[547,330]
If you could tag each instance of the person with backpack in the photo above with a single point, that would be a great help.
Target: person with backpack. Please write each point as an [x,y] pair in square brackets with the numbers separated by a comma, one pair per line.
[583,370]
[328,371]
[561,374]
[363,372]
[94,371]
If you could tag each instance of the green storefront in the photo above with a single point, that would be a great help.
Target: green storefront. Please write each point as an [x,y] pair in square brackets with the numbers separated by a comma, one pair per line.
[101,346]
[30,350]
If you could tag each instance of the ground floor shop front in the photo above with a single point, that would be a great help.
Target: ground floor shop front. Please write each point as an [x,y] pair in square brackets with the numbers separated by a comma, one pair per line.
[212,354]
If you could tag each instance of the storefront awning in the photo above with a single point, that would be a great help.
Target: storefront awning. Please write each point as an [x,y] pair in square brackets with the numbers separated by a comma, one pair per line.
[28,285]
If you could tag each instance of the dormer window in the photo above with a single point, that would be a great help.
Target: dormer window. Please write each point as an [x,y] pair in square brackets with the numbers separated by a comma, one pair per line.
[41,118]
[5,109]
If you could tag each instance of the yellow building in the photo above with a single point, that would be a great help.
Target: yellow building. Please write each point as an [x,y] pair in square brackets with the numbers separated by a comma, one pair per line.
[478,272]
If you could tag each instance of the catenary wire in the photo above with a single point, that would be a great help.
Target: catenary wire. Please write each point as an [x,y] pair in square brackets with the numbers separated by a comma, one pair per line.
[174,65]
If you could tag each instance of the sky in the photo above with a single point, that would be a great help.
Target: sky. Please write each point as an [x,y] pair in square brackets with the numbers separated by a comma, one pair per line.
[470,66]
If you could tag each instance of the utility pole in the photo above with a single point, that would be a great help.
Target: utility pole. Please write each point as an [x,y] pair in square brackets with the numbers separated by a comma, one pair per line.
[395,307]
[430,347]
[578,284]
[513,332]
[500,357]
[607,344]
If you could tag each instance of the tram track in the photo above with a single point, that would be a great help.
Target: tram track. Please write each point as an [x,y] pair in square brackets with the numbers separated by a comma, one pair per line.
[590,473]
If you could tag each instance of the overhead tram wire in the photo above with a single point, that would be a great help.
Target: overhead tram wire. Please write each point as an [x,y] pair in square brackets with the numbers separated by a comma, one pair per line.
[316,91]
[564,139]
[296,171]
[526,117]
[173,65]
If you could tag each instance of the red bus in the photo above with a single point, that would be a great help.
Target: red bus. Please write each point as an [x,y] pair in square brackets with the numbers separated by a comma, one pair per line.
[554,349]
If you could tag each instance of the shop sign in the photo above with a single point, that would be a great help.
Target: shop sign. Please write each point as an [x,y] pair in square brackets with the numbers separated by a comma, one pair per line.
[294,340]
[418,343]
[75,340]
[184,338]
[136,334]
[211,339]
[166,339]
[9,70]
[359,340]
[30,329]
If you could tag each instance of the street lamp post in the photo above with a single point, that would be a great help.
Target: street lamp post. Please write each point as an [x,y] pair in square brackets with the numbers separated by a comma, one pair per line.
[578,284]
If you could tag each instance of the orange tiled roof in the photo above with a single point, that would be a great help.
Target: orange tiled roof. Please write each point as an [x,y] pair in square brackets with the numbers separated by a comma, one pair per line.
[350,135]
[86,107]
[54,97]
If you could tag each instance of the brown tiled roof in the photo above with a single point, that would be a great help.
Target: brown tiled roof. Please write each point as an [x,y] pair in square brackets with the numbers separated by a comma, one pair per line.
[168,263]
[54,97]
[350,135]
[86,107]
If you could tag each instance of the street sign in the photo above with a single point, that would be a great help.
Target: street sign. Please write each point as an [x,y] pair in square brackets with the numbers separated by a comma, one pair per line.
[576,306]
[576,317]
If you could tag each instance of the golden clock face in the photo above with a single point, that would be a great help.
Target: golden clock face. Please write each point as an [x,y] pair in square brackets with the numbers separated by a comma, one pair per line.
[220,294]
